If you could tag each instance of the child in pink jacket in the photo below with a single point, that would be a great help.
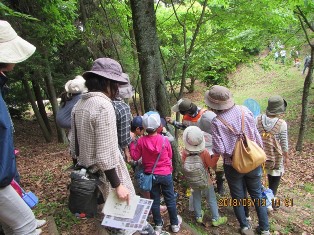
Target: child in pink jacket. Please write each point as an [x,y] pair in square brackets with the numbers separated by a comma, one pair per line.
[149,147]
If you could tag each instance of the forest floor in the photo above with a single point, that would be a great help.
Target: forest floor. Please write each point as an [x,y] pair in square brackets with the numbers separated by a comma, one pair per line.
[43,166]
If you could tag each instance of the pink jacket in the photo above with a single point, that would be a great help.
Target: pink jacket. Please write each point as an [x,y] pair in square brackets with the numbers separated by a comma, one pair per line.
[148,147]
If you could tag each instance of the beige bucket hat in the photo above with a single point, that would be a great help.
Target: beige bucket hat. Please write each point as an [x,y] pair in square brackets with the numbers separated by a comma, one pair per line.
[13,49]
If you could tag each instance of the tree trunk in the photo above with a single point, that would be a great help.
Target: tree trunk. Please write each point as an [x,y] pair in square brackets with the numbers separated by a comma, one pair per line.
[154,90]
[305,101]
[40,104]
[144,25]
[40,121]
[53,100]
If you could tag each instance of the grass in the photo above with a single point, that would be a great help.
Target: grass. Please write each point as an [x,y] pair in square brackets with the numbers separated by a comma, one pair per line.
[309,187]
[284,80]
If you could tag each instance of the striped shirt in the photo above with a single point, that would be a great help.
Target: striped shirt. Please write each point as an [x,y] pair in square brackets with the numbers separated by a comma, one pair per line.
[224,140]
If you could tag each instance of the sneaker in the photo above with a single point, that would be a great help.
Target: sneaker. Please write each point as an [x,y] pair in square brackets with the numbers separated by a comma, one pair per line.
[158,228]
[219,221]
[200,219]
[175,228]
[265,232]
[270,208]
[38,231]
[246,231]
[40,223]
[249,218]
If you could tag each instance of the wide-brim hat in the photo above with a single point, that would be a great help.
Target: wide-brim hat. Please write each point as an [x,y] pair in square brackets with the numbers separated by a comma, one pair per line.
[13,49]
[276,105]
[219,98]
[126,91]
[183,105]
[193,138]
[107,68]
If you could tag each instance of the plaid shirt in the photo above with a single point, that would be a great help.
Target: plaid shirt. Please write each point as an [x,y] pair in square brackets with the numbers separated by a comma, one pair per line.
[95,121]
[224,140]
[124,117]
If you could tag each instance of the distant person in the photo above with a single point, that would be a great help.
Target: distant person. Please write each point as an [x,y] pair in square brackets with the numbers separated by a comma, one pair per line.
[271,124]
[73,91]
[283,54]
[205,125]
[194,146]
[148,148]
[219,100]
[15,215]
[276,55]
[307,61]
[294,53]
[124,117]
[191,113]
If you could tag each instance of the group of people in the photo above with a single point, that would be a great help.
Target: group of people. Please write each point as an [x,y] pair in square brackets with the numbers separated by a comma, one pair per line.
[102,127]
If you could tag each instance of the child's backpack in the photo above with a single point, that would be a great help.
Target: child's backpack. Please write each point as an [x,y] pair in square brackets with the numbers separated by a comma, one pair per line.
[195,172]
[272,146]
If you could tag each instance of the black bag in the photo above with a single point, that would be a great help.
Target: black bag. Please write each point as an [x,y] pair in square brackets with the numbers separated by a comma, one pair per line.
[84,190]
[83,196]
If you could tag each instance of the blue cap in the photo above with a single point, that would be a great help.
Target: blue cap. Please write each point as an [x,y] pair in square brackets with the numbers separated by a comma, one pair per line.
[137,121]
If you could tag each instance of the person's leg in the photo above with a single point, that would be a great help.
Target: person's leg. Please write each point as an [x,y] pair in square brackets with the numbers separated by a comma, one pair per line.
[168,192]
[235,182]
[212,201]
[15,216]
[273,182]
[220,176]
[246,207]
[155,195]
[254,186]
[197,202]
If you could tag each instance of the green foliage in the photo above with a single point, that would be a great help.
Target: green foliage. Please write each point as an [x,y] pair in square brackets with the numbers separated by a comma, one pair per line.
[4,10]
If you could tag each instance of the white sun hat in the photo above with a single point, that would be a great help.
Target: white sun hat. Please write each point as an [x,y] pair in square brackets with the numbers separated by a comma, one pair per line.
[76,86]
[193,138]
[13,49]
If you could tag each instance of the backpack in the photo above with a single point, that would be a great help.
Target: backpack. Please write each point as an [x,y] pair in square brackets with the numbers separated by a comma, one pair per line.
[247,155]
[195,172]
[272,146]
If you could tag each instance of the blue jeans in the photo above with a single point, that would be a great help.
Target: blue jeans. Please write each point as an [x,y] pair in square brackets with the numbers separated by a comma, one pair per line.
[253,184]
[164,184]
[210,198]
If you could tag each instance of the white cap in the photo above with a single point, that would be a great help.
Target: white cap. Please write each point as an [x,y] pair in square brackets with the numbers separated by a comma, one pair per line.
[151,120]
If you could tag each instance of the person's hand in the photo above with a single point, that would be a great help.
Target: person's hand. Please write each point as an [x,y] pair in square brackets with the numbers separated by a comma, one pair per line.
[168,119]
[123,193]
[127,154]
[164,130]
[133,136]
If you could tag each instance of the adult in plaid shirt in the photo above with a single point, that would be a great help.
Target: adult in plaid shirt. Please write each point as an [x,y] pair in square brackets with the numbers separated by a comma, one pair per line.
[219,100]
[124,117]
